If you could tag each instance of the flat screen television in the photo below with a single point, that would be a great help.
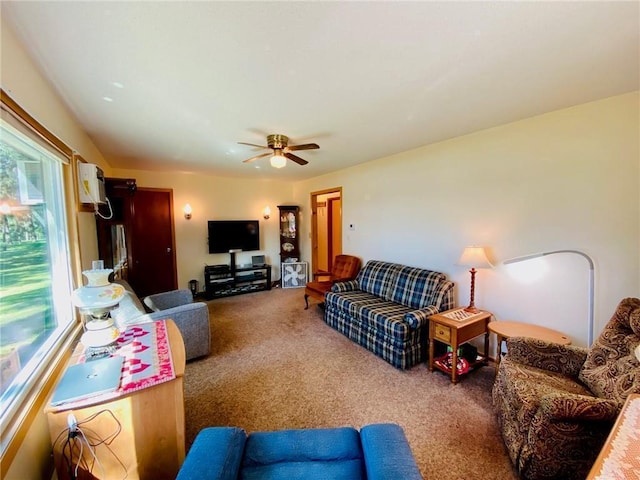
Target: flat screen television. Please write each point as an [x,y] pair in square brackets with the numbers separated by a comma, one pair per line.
[225,235]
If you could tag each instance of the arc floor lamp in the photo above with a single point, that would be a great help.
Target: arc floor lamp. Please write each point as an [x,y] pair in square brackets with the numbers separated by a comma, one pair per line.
[591,280]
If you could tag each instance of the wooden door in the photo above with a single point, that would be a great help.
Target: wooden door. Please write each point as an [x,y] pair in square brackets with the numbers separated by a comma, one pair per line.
[326,228]
[153,260]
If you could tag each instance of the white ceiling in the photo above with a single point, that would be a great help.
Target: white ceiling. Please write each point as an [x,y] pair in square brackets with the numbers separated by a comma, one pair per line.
[364,80]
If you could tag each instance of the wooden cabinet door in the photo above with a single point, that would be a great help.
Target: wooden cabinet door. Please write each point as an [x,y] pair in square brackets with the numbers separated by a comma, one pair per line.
[153,259]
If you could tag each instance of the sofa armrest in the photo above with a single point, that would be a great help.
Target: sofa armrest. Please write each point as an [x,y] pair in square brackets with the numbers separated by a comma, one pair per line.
[193,322]
[444,299]
[174,298]
[387,455]
[216,454]
[348,286]
[417,318]
[565,359]
[571,406]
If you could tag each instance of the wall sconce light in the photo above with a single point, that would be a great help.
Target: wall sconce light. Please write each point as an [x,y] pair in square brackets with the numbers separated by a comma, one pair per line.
[266,213]
[187,211]
[473,257]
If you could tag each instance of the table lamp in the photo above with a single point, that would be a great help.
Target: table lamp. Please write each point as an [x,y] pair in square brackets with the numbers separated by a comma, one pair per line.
[94,301]
[473,257]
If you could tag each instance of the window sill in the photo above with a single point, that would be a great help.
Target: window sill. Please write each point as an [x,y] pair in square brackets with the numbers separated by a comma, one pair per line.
[19,417]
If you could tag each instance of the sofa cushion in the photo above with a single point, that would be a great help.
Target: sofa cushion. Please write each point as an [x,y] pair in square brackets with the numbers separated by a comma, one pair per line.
[310,454]
[378,278]
[352,301]
[385,316]
[611,369]
[416,287]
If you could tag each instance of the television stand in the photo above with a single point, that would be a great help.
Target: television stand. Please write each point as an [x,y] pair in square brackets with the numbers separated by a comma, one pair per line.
[227,280]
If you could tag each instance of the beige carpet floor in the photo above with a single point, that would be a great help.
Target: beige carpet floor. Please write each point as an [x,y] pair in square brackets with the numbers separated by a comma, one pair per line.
[275,366]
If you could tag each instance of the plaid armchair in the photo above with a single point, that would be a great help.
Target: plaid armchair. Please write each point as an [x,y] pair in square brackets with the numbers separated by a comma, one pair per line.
[556,404]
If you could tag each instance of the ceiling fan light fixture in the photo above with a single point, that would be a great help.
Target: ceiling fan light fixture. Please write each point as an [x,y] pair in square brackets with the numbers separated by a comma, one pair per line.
[278,160]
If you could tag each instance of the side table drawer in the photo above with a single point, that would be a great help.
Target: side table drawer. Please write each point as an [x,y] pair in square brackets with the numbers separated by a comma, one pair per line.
[442,332]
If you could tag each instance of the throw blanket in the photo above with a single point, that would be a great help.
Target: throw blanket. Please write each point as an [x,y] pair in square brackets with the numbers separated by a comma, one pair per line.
[147,356]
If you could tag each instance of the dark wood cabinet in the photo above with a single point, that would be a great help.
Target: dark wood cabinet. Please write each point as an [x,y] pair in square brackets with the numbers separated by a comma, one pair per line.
[289,233]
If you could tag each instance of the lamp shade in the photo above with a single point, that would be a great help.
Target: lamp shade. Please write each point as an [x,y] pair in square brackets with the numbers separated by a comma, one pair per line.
[474,257]
[99,293]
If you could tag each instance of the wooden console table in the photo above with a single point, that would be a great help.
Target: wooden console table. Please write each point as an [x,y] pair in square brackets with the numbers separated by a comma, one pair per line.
[149,440]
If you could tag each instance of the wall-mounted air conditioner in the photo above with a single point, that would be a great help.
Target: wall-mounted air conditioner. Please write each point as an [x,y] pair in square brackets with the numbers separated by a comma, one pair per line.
[90,183]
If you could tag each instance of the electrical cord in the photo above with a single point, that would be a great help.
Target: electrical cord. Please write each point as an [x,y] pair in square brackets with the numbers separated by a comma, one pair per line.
[77,435]
[96,209]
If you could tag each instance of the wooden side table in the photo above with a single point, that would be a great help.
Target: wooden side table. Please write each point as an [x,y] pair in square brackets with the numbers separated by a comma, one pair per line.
[504,330]
[455,327]
[146,427]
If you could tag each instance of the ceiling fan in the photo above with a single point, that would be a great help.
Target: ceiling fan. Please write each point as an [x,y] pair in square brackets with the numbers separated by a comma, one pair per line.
[281,150]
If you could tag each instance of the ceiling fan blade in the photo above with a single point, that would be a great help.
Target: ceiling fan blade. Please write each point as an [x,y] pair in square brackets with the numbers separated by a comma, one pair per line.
[306,146]
[298,160]
[253,145]
[256,157]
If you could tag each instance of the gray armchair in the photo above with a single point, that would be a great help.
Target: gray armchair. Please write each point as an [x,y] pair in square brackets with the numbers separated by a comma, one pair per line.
[191,318]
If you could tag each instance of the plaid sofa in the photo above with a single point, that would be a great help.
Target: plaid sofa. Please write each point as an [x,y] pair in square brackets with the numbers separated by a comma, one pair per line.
[386,309]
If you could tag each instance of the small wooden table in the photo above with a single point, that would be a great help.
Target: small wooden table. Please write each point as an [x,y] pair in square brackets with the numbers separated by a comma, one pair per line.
[455,327]
[146,428]
[504,330]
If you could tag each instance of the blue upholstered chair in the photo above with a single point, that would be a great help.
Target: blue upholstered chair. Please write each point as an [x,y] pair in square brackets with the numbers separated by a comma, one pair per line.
[376,452]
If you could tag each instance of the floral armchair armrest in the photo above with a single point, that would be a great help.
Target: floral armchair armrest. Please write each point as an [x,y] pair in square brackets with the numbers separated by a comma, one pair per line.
[565,359]
[571,406]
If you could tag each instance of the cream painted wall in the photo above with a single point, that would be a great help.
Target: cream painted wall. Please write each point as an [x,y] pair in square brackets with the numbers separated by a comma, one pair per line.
[217,198]
[565,180]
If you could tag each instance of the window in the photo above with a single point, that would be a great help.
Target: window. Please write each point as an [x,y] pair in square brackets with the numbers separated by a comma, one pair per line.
[35,272]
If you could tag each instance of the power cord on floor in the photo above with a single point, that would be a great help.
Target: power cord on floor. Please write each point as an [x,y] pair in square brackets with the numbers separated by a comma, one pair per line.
[78,436]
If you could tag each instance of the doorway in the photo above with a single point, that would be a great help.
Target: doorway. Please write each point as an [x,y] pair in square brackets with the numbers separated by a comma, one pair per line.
[138,241]
[326,228]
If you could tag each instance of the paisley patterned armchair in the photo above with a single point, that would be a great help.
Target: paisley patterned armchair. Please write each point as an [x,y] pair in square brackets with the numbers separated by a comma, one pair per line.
[556,404]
